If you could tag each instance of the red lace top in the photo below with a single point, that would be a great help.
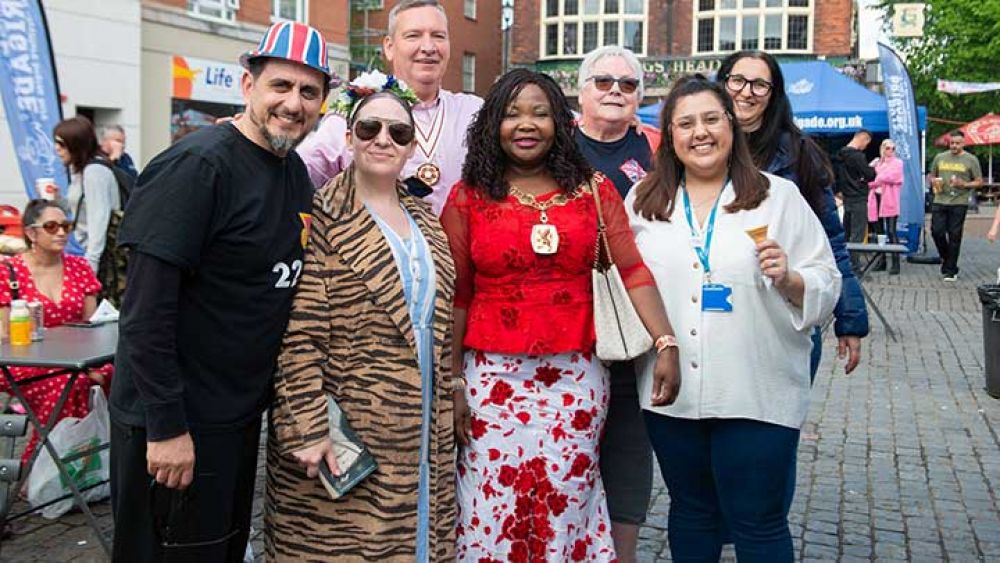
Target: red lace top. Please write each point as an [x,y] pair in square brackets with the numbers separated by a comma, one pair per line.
[520,302]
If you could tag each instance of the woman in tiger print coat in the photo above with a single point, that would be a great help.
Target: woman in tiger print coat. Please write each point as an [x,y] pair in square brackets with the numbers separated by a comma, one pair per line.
[355,333]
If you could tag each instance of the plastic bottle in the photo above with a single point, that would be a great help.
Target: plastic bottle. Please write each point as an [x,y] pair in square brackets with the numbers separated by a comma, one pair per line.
[20,323]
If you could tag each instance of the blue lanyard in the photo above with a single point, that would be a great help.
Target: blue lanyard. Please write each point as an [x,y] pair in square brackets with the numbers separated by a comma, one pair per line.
[702,250]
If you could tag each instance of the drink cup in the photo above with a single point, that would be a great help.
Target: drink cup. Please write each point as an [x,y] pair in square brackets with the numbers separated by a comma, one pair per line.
[47,188]
[881,239]
[937,183]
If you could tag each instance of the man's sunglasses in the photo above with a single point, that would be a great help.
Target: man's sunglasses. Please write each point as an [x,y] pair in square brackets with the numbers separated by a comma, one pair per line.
[368,129]
[604,82]
[52,227]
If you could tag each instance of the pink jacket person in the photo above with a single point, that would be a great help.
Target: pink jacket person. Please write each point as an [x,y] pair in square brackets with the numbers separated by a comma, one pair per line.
[888,177]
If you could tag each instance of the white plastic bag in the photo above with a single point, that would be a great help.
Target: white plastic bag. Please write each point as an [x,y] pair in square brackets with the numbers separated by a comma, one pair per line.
[72,435]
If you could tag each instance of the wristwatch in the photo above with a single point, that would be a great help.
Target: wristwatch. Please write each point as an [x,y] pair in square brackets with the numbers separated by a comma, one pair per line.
[664,342]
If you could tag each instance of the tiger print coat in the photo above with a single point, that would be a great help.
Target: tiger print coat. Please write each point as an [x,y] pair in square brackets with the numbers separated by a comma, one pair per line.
[350,335]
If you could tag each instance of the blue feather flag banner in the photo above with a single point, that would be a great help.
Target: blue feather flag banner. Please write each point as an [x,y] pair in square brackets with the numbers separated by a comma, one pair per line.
[905,133]
[30,91]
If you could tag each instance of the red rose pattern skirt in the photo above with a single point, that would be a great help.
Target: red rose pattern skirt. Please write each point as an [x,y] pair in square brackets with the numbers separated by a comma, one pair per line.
[529,484]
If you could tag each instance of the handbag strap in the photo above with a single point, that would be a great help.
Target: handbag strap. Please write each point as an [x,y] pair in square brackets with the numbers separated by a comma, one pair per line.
[15,285]
[602,230]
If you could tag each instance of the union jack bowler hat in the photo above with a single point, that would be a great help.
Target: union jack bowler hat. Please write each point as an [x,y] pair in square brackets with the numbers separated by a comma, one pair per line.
[292,41]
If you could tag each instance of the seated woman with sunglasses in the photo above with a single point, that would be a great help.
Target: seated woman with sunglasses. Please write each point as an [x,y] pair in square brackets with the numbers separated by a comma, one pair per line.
[67,289]
[371,327]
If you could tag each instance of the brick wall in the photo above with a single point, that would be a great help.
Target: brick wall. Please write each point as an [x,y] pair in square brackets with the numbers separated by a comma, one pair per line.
[524,34]
[833,28]
[330,17]
[480,37]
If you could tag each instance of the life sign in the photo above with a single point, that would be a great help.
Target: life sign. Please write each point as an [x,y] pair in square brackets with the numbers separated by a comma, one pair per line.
[206,81]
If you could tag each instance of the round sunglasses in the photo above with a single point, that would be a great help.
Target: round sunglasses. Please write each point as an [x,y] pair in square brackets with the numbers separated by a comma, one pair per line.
[53,227]
[400,133]
[604,82]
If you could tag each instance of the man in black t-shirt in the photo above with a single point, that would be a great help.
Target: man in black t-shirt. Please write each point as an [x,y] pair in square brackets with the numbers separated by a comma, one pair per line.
[217,226]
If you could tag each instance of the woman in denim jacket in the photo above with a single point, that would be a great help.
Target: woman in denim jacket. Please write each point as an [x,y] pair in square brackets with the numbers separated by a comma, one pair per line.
[754,81]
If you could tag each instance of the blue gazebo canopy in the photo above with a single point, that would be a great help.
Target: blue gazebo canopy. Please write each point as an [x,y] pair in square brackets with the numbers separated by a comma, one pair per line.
[824,101]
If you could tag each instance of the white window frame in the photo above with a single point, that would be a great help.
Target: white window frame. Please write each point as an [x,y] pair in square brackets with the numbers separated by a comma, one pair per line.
[302,7]
[580,19]
[226,8]
[469,72]
[469,8]
[761,11]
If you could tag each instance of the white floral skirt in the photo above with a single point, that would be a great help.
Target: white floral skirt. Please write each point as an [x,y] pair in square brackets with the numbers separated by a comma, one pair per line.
[529,485]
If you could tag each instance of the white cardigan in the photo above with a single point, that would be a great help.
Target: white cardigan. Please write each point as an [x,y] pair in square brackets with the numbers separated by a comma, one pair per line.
[752,362]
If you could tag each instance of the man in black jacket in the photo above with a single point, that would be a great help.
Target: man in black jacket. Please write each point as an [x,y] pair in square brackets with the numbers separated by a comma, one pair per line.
[853,173]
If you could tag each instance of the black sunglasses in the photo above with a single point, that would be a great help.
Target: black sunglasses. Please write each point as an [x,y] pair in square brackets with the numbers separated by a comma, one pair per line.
[603,82]
[368,129]
[52,227]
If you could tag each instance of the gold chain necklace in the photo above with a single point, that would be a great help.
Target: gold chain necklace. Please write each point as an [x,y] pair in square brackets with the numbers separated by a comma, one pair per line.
[545,237]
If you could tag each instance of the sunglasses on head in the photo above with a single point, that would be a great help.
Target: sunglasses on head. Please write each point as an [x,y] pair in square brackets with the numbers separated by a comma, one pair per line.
[368,129]
[53,227]
[604,82]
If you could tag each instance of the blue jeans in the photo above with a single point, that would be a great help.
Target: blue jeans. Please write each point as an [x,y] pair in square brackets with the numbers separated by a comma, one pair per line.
[726,476]
[816,354]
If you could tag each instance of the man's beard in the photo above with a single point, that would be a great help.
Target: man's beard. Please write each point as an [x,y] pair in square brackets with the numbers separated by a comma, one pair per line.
[281,145]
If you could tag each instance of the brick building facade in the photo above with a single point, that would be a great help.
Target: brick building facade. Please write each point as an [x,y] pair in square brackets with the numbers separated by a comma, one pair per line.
[190,52]
[678,36]
[474,28]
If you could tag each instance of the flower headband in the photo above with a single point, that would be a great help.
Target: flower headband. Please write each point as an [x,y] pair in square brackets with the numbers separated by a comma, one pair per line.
[366,84]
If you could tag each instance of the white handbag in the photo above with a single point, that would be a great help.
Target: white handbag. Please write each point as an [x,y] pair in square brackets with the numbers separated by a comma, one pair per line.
[620,332]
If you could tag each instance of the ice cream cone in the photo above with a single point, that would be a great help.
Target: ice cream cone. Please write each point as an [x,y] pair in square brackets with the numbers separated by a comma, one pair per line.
[758,234]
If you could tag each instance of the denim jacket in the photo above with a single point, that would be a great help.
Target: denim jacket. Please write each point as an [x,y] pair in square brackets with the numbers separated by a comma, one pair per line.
[851,313]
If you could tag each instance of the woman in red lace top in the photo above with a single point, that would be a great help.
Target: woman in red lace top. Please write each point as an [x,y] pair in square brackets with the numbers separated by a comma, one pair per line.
[67,289]
[522,225]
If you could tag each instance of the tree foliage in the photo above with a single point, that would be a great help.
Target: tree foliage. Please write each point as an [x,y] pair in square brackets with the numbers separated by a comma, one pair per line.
[961,41]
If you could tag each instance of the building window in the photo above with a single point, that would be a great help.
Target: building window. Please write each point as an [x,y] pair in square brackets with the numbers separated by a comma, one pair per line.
[723,26]
[572,28]
[222,10]
[469,72]
[288,10]
[470,9]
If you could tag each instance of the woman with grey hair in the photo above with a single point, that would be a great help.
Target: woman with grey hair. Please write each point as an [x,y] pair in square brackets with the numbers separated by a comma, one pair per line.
[610,91]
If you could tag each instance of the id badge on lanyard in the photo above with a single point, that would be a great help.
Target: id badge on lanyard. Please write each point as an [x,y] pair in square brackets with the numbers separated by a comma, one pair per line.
[715,297]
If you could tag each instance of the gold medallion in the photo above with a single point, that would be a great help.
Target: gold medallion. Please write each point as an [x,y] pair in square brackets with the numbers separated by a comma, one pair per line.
[544,239]
[429,173]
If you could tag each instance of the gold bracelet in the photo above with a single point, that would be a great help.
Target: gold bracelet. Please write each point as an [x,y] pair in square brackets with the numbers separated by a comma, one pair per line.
[665,341]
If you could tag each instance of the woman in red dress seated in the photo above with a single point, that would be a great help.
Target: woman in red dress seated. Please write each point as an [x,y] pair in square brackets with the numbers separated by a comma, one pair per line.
[67,289]
[522,225]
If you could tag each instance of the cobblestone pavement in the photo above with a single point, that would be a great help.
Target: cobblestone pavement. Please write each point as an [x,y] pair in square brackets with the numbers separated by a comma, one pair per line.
[898,461]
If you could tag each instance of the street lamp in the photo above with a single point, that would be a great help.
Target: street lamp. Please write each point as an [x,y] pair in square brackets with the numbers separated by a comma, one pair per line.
[506,22]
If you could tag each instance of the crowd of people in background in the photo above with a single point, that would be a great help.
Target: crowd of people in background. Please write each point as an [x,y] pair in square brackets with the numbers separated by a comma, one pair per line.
[423,258]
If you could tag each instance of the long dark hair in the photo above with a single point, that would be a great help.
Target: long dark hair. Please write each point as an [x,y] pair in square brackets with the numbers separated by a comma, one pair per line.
[812,166]
[78,136]
[486,162]
[657,193]
[32,212]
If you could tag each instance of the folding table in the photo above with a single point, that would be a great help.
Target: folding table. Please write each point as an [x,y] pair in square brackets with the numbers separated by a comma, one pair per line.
[873,252]
[68,350]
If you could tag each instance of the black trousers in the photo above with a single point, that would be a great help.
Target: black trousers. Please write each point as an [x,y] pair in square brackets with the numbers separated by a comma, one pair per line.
[208,521]
[855,224]
[947,222]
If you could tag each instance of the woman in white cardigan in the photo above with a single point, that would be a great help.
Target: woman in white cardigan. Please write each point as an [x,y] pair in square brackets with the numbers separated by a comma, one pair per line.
[746,272]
